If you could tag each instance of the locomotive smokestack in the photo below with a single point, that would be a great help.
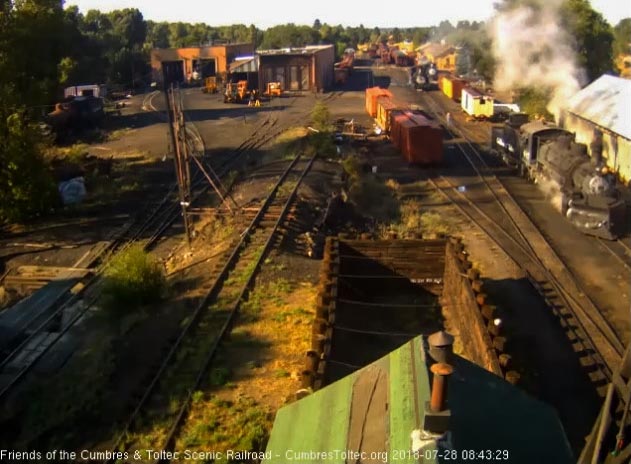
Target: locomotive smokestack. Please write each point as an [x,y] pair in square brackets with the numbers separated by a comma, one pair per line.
[596,148]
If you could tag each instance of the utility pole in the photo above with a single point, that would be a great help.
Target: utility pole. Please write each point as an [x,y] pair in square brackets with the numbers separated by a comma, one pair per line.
[178,139]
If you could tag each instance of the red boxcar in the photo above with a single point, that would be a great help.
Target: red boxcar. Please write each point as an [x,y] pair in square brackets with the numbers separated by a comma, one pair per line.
[397,117]
[419,139]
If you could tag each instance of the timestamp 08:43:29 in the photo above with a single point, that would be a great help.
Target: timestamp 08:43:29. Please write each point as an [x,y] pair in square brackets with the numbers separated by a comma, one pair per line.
[465,455]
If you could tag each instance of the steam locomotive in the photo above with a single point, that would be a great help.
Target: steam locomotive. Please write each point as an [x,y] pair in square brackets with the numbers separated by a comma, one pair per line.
[425,76]
[581,188]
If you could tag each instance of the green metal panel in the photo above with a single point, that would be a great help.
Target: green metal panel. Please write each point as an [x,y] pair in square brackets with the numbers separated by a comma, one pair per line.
[402,405]
[317,423]
[491,419]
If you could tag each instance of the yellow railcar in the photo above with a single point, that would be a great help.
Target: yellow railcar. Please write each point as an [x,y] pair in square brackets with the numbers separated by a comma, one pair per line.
[452,86]
[476,104]
[384,107]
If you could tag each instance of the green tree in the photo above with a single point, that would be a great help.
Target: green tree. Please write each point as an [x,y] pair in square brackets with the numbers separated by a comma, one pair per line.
[622,37]
[622,47]
[444,29]
[593,36]
[420,35]
[375,35]
[30,50]
[158,34]
[396,35]
[289,35]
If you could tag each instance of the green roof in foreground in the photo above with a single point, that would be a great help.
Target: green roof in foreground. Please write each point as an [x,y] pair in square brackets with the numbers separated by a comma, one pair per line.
[369,417]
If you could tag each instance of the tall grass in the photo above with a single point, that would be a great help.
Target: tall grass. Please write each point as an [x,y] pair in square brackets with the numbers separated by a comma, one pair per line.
[133,279]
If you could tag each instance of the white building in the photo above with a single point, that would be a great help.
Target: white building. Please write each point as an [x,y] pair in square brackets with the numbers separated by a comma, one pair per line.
[603,110]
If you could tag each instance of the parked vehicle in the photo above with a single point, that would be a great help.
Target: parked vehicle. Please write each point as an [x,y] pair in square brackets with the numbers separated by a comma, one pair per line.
[74,115]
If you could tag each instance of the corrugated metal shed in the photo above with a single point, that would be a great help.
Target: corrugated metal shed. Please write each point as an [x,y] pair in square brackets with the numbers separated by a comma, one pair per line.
[245,65]
[375,410]
[605,102]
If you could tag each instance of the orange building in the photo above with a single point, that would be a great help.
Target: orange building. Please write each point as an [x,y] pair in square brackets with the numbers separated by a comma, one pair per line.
[179,64]
[442,55]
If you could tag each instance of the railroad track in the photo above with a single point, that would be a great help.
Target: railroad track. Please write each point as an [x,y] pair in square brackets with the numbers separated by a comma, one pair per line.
[619,250]
[151,222]
[191,355]
[590,333]
[146,230]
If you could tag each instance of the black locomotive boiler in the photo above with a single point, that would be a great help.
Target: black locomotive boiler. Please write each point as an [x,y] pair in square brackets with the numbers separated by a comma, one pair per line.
[580,187]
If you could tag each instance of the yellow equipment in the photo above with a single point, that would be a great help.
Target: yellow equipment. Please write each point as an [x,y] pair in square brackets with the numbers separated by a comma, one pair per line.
[210,85]
[242,89]
[236,93]
[254,98]
[274,89]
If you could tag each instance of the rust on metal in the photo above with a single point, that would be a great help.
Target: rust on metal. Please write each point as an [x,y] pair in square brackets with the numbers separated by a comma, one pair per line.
[441,373]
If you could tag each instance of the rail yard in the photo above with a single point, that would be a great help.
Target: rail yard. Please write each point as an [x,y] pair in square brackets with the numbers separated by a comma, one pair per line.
[322,253]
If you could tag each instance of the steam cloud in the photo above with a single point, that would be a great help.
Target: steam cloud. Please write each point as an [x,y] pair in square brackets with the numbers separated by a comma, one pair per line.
[531,49]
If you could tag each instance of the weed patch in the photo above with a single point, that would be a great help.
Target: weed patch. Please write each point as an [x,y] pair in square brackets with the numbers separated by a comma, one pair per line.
[221,425]
[414,219]
[132,279]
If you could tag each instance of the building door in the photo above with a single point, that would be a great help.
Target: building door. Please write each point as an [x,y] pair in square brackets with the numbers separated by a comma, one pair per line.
[173,71]
[268,77]
[304,75]
[208,67]
[279,76]
[294,79]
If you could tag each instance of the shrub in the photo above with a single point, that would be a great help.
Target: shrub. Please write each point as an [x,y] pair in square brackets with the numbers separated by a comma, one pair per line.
[322,143]
[133,279]
[321,117]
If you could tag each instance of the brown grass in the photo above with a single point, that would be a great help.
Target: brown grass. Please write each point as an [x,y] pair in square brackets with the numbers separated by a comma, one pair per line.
[265,354]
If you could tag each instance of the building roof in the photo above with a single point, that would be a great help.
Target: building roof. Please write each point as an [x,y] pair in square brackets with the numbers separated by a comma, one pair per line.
[307,50]
[605,102]
[436,49]
[244,64]
[212,44]
[475,93]
[375,410]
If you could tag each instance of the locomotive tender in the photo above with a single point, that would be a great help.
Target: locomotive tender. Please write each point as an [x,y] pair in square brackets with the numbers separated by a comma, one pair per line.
[580,187]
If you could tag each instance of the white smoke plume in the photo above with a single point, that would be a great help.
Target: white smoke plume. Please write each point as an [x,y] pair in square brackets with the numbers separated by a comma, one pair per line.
[532,50]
